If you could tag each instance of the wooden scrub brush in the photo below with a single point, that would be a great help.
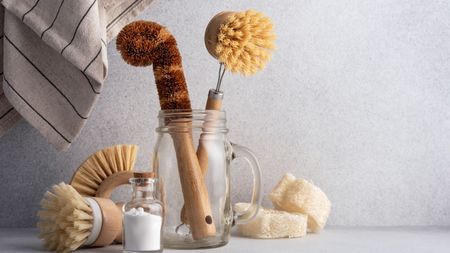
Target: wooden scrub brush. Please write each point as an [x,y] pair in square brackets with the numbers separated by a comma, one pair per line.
[104,170]
[144,43]
[68,221]
[242,42]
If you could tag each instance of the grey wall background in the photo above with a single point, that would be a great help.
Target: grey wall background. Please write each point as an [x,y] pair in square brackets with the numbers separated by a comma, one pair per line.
[356,99]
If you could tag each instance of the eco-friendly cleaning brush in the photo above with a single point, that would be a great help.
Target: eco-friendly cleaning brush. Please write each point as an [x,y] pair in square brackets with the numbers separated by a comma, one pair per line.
[104,170]
[68,221]
[144,43]
[242,42]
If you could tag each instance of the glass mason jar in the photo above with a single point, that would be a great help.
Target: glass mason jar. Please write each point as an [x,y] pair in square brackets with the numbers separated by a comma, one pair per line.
[191,187]
[142,217]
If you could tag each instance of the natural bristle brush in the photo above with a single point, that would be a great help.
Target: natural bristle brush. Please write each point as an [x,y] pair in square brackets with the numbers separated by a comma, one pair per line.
[144,43]
[242,42]
[104,170]
[68,221]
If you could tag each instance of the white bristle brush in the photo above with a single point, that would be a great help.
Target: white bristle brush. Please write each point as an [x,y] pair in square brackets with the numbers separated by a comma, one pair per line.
[68,221]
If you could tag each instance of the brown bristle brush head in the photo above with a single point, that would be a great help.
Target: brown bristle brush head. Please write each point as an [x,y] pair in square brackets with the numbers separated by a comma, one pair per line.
[144,43]
[242,41]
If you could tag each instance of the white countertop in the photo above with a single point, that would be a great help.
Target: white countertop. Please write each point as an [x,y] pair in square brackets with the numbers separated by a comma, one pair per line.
[346,240]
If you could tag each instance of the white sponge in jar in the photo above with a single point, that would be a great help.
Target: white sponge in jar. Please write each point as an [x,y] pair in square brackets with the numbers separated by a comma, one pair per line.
[301,196]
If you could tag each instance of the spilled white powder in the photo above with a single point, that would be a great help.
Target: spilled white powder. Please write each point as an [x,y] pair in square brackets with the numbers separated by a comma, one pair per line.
[142,230]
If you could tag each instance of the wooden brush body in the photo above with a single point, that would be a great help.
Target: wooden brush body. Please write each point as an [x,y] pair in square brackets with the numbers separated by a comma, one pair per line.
[242,41]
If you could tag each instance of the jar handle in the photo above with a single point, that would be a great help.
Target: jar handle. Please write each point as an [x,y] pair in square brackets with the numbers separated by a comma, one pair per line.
[252,211]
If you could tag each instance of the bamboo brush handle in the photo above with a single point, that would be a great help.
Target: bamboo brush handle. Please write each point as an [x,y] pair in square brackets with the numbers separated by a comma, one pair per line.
[111,222]
[194,189]
[109,184]
[214,102]
[118,238]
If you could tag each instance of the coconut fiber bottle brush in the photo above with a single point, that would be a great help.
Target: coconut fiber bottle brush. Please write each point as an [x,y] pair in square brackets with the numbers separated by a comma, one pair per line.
[144,43]
[68,221]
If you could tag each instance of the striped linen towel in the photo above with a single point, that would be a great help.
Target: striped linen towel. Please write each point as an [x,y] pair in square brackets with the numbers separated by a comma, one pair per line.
[55,61]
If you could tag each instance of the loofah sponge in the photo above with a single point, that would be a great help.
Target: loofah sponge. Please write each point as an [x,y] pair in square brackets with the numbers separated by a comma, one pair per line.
[301,196]
[271,223]
[144,43]
[245,42]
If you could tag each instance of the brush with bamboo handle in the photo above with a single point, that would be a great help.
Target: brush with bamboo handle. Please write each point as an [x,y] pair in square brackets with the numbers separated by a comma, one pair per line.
[144,43]
[68,221]
[242,42]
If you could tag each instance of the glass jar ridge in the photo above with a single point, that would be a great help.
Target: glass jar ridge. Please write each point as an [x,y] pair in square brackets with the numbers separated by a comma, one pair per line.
[204,121]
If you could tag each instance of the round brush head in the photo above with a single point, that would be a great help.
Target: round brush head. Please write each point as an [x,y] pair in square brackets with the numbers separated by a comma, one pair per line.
[143,43]
[105,170]
[65,219]
[242,41]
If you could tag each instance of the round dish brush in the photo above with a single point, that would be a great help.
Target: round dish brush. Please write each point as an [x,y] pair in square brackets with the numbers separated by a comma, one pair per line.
[242,42]
[144,43]
[104,170]
[68,221]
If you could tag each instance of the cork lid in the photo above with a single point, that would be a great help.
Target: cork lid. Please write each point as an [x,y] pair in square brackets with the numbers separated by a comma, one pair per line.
[143,178]
[144,174]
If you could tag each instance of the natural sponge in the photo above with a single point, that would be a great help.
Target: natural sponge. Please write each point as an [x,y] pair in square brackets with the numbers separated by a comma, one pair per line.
[301,196]
[271,223]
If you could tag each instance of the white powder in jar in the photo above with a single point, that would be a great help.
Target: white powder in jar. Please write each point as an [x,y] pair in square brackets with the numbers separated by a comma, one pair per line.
[142,230]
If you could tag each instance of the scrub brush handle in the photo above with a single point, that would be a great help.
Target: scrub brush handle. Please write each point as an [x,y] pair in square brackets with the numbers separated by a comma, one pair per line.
[194,189]
[214,102]
[109,184]
[111,222]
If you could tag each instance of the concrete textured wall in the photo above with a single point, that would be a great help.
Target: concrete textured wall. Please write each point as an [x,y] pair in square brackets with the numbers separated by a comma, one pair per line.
[356,99]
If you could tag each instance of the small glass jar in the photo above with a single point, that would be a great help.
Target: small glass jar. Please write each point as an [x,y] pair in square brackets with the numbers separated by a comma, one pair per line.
[143,217]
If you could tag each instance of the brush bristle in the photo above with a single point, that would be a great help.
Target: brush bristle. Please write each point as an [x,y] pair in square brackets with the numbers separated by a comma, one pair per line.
[65,219]
[101,165]
[143,43]
[245,42]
